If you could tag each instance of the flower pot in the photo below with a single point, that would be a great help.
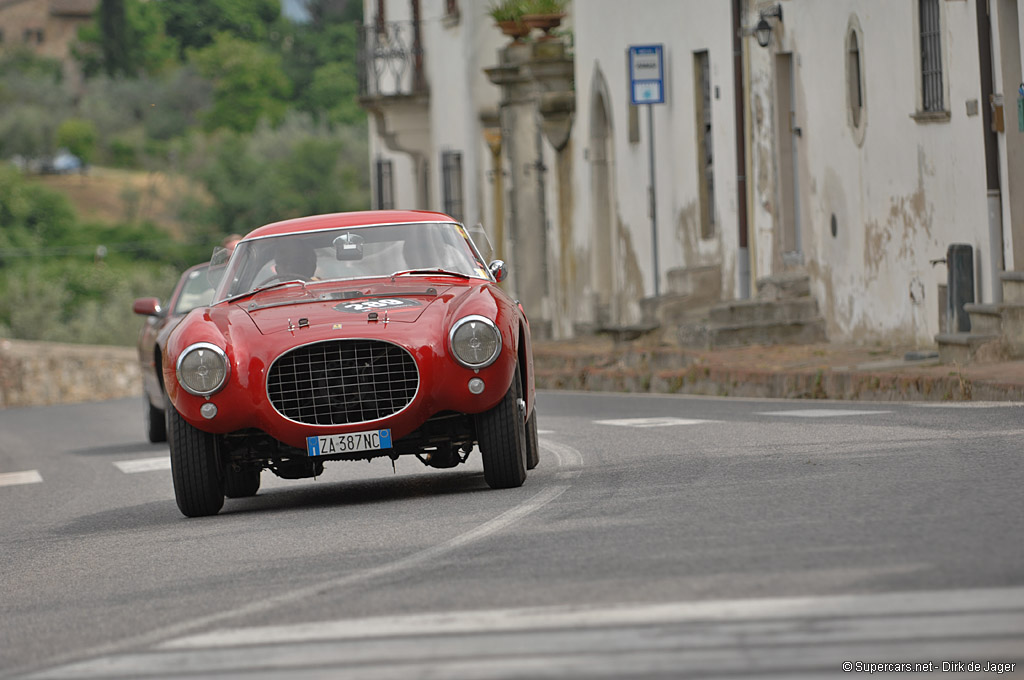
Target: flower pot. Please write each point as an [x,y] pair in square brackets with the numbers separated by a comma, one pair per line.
[545,22]
[516,30]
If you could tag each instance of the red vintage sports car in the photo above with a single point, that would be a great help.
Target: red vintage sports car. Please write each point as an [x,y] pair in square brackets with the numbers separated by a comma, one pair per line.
[193,290]
[348,337]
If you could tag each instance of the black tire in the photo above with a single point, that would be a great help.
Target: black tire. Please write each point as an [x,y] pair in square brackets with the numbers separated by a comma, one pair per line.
[198,487]
[501,434]
[241,483]
[156,423]
[532,445]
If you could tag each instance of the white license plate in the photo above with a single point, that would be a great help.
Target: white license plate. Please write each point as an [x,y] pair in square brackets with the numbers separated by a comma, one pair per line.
[332,444]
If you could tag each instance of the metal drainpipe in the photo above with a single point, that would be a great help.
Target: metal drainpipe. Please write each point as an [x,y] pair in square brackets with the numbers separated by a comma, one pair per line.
[742,256]
[995,207]
[418,82]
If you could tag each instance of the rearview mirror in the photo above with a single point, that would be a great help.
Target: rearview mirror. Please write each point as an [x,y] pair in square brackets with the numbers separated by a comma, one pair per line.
[348,247]
[498,270]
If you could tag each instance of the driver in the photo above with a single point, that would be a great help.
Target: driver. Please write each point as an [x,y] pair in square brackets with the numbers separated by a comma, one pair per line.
[295,259]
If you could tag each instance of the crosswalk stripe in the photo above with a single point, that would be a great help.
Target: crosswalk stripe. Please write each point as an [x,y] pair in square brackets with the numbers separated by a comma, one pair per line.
[144,464]
[651,422]
[820,413]
[16,478]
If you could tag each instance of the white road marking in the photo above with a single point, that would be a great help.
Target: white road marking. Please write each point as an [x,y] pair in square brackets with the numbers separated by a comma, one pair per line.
[566,457]
[862,614]
[820,413]
[16,478]
[652,422]
[144,464]
[777,637]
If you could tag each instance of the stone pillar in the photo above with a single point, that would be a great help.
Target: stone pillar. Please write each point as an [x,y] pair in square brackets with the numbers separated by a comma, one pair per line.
[536,84]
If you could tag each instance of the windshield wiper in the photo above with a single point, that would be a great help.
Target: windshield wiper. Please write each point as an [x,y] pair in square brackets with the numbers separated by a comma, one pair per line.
[439,271]
[290,282]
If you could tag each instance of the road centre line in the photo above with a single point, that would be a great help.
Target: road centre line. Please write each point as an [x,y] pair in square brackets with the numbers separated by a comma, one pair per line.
[567,459]
[16,478]
[144,464]
[926,613]
[819,413]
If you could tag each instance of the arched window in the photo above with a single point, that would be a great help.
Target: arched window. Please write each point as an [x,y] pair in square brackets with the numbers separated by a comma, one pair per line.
[855,91]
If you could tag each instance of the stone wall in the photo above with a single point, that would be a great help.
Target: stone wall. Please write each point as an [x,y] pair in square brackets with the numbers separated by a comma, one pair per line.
[43,373]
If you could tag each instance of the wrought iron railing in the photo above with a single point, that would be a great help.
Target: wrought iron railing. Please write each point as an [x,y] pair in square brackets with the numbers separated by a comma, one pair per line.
[391,59]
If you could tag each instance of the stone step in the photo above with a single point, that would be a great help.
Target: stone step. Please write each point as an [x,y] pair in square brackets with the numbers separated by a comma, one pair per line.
[1013,286]
[768,333]
[784,286]
[738,312]
[1012,327]
[985,319]
[961,348]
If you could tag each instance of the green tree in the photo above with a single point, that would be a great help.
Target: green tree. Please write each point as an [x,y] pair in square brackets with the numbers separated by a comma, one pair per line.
[249,83]
[125,38]
[195,24]
[79,137]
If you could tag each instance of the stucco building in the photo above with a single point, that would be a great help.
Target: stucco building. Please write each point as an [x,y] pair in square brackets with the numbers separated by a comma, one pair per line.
[854,148]
[46,27]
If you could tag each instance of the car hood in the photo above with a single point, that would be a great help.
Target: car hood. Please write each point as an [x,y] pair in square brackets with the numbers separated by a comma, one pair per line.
[288,309]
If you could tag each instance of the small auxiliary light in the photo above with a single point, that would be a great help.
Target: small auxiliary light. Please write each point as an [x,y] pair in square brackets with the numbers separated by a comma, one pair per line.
[208,410]
[476,385]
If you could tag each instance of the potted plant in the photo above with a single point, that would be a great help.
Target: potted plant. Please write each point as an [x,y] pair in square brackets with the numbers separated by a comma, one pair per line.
[508,14]
[543,14]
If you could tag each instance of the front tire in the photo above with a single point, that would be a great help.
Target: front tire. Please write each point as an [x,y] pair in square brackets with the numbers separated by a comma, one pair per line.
[532,445]
[501,433]
[198,488]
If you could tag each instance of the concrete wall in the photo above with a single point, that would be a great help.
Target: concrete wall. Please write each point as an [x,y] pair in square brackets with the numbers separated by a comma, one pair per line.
[43,373]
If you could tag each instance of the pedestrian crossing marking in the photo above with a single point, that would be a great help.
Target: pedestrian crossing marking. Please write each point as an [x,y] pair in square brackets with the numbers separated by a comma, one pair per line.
[16,478]
[144,464]
[820,413]
[652,422]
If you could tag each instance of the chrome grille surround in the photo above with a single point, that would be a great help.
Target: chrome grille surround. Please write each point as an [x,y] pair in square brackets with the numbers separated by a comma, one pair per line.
[342,381]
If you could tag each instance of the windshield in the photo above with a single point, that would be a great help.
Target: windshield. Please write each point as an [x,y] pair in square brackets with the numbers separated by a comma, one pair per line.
[197,291]
[353,252]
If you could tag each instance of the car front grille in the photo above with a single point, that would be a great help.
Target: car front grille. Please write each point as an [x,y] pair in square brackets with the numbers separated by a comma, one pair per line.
[340,382]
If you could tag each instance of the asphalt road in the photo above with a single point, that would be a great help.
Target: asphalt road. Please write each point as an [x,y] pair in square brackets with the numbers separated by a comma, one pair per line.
[659,537]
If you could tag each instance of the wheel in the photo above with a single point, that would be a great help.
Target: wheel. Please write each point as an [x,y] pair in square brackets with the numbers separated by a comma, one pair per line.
[198,488]
[501,433]
[532,445]
[241,482]
[156,424]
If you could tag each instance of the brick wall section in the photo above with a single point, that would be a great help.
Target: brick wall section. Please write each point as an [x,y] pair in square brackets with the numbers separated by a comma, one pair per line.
[43,373]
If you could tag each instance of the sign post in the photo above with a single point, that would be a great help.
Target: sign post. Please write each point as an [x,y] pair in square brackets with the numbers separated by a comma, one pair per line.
[647,86]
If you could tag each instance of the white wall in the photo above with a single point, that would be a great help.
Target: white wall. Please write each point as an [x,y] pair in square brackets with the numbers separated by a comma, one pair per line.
[604,31]
[911,189]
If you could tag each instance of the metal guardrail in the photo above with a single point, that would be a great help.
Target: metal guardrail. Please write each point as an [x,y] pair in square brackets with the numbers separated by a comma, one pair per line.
[391,60]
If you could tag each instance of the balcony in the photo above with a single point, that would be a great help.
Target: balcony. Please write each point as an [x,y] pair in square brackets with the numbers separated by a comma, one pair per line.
[391,60]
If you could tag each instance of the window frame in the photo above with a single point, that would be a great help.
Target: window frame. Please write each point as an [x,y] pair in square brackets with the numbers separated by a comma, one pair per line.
[384,191]
[937,73]
[453,192]
[856,81]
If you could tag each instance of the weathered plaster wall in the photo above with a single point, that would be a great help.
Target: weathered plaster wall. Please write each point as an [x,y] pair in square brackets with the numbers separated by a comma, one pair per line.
[901,196]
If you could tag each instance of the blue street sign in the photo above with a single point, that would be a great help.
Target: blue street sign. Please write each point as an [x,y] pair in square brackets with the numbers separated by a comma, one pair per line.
[646,74]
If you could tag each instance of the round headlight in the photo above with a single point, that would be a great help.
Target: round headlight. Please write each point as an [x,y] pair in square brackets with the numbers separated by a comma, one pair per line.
[202,369]
[475,341]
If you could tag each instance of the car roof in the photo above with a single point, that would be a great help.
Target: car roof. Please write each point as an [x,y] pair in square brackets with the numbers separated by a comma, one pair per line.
[363,218]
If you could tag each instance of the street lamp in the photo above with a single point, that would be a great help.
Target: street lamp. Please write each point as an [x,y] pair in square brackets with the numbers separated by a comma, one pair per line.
[763,30]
